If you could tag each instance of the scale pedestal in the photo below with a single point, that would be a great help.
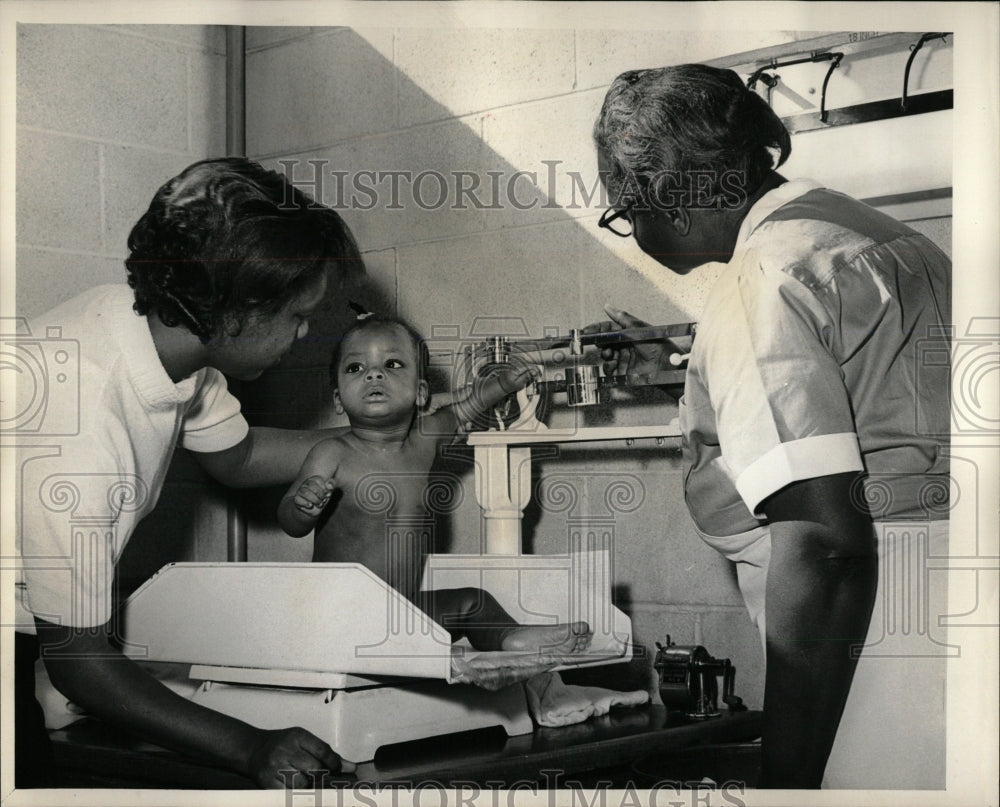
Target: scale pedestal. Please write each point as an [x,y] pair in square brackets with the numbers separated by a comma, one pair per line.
[503,469]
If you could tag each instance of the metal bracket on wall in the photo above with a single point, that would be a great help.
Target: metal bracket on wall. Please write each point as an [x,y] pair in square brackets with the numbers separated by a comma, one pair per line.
[857,113]
[872,111]
[771,81]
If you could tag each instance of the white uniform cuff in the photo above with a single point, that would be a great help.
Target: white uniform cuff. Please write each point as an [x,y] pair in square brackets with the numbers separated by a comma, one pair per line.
[823,455]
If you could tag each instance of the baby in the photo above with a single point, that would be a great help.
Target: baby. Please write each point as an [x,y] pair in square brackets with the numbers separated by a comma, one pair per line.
[377,469]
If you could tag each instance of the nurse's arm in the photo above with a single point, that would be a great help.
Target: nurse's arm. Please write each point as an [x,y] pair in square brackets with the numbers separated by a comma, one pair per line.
[820,592]
[263,458]
[85,668]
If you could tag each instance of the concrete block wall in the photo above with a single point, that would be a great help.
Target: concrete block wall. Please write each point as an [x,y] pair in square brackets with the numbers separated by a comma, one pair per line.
[105,115]
[503,118]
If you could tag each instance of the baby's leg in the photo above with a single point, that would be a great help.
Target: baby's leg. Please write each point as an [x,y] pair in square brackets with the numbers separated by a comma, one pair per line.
[471,613]
[476,615]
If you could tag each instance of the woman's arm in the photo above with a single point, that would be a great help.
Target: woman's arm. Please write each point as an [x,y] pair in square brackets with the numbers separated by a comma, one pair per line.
[263,458]
[94,675]
[821,586]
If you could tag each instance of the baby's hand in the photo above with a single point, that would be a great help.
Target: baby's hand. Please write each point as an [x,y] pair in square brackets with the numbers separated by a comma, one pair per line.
[314,494]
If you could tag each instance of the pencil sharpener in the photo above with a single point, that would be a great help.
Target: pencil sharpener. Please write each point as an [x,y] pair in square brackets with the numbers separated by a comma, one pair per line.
[689,680]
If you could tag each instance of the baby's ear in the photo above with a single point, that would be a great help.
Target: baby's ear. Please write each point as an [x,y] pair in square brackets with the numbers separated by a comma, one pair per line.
[423,394]
[338,405]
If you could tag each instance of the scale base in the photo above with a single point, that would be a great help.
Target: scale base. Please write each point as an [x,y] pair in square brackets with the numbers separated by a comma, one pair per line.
[357,722]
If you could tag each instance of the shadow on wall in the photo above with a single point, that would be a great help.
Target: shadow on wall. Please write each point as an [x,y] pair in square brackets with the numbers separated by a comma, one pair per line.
[524,257]
[527,255]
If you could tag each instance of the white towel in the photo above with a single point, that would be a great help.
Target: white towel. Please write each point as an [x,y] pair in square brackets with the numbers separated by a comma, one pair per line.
[555,703]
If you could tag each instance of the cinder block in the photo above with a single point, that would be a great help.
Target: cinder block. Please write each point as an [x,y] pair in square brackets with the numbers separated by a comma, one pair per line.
[68,83]
[207,121]
[317,91]
[729,633]
[555,520]
[399,188]
[726,633]
[380,287]
[634,282]
[487,68]
[58,192]
[658,551]
[131,177]
[529,275]
[265,36]
[551,140]
[555,276]
[197,37]
[45,278]
[603,55]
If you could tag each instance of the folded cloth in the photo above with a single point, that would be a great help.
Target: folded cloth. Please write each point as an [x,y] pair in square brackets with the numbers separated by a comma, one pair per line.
[555,703]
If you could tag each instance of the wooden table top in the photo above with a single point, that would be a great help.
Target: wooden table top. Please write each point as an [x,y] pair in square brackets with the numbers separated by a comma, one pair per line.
[92,754]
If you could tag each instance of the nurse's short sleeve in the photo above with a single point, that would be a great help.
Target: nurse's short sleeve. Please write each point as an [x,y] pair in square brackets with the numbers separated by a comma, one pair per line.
[213,420]
[782,410]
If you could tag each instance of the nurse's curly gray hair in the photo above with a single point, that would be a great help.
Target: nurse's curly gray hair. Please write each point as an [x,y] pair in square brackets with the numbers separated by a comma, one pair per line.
[689,129]
[227,239]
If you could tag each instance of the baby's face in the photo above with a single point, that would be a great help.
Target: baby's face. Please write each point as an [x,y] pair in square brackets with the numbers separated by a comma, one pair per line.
[378,379]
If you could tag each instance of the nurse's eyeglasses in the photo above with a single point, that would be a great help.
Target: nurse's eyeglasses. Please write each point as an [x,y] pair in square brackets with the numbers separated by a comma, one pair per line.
[617,221]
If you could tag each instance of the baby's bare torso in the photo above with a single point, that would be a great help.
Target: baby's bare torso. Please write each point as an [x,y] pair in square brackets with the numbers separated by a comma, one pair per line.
[379,515]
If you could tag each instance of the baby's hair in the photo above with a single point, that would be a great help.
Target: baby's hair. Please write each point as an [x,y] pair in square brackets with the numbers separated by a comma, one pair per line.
[369,321]
[227,239]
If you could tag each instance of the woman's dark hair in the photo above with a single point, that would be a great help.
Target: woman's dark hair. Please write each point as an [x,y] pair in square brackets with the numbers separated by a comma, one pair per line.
[685,126]
[226,239]
[377,321]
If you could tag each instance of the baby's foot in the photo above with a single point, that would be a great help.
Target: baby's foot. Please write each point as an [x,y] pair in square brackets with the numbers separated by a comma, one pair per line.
[493,674]
[553,640]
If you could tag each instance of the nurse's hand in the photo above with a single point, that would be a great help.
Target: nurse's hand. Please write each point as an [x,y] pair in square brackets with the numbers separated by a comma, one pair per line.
[287,758]
[644,357]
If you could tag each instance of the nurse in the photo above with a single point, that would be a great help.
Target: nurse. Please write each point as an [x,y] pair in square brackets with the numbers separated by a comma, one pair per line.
[812,429]
[225,270]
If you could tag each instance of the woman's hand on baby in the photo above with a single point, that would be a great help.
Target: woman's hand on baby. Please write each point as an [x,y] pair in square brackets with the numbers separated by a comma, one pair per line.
[314,494]
[627,359]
